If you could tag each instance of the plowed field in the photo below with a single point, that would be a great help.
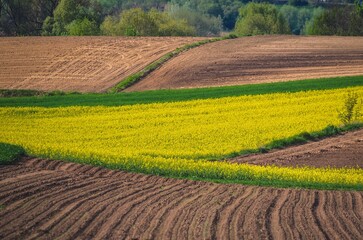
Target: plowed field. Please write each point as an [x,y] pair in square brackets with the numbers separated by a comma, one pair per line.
[43,199]
[85,64]
[341,151]
[259,59]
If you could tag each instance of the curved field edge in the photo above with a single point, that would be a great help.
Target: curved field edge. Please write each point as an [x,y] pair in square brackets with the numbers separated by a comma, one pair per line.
[225,172]
[159,96]
[59,200]
[134,78]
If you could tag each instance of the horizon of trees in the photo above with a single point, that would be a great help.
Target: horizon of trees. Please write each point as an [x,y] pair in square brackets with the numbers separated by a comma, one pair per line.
[180,17]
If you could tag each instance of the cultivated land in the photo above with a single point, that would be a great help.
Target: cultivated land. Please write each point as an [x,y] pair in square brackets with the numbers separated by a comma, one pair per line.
[84,64]
[341,151]
[44,199]
[174,134]
[258,59]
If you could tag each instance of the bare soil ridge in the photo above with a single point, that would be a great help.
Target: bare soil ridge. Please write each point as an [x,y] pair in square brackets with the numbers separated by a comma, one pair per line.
[83,64]
[258,59]
[45,199]
[341,151]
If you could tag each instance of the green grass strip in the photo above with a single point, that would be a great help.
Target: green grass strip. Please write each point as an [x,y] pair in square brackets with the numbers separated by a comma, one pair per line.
[120,99]
[10,153]
[10,93]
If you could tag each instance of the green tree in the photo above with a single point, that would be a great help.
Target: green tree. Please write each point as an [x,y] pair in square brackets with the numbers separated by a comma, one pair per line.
[261,18]
[69,11]
[298,17]
[24,17]
[343,21]
[204,24]
[82,27]
[136,22]
[167,26]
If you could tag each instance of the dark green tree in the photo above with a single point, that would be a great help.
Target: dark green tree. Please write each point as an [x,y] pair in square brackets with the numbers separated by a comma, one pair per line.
[24,17]
[342,21]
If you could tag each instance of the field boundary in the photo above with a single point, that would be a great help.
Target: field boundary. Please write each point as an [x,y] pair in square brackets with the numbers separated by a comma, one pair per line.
[176,95]
[134,78]
[222,171]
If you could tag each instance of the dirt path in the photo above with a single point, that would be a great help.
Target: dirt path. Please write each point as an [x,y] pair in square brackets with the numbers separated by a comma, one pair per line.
[43,199]
[341,151]
[85,64]
[259,59]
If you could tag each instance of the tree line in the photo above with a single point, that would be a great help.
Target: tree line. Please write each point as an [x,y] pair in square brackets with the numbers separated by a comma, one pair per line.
[180,17]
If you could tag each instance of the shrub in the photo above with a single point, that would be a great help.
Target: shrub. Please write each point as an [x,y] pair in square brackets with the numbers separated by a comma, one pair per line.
[351,111]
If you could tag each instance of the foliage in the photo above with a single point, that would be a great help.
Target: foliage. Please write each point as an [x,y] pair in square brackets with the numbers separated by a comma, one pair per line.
[20,17]
[168,26]
[205,25]
[12,93]
[345,21]
[179,139]
[298,2]
[351,111]
[298,17]
[132,98]
[136,22]
[10,153]
[260,18]
[79,16]
[82,27]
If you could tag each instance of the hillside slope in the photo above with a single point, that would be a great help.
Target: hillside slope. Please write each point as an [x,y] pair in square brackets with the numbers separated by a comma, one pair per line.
[85,64]
[259,59]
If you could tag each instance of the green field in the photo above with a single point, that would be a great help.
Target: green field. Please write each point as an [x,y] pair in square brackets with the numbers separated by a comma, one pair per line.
[120,99]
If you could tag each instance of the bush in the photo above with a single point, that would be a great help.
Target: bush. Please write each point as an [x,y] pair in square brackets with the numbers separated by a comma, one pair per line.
[351,111]
[259,19]
[82,27]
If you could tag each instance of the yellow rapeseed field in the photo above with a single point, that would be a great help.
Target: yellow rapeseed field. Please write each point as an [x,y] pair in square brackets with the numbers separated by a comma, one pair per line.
[178,138]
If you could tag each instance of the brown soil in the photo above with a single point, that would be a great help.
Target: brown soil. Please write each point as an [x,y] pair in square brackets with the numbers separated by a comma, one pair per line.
[85,64]
[259,59]
[44,199]
[341,151]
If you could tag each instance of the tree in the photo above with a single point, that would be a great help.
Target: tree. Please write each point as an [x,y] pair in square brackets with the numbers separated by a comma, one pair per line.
[168,26]
[343,21]
[205,25]
[260,18]
[136,22]
[68,11]
[82,27]
[24,17]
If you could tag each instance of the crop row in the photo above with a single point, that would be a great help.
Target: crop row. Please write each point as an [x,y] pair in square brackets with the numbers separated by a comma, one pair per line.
[179,139]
